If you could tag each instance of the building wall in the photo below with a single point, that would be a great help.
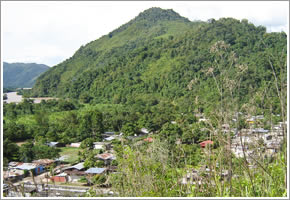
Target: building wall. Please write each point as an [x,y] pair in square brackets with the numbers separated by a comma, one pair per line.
[39,169]
[59,179]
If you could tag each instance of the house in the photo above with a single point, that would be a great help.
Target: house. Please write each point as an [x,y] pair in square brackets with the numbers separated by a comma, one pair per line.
[44,162]
[144,131]
[149,139]
[62,178]
[55,144]
[60,168]
[13,175]
[14,164]
[78,167]
[94,171]
[38,169]
[76,145]
[110,138]
[106,157]
[102,145]
[205,143]
[99,145]
[75,172]
[108,134]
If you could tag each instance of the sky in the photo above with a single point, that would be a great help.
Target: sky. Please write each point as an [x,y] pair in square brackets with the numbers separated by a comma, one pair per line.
[49,32]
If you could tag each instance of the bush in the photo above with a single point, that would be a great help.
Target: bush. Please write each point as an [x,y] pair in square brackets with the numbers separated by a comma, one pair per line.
[114,163]
[83,180]
[100,163]
[99,179]
[26,173]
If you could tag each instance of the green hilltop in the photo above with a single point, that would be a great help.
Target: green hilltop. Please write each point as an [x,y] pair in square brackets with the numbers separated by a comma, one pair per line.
[185,100]
[161,55]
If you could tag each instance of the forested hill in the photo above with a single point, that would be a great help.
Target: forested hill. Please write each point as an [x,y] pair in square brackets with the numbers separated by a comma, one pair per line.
[161,55]
[21,75]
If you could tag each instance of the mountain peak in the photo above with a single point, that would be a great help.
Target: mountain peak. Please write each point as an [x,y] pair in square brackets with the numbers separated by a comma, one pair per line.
[150,17]
[155,14]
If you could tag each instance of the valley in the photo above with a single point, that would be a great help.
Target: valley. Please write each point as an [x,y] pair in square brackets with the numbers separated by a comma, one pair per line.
[160,107]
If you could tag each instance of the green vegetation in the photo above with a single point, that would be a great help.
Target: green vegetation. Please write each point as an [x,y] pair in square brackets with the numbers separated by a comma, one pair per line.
[21,75]
[69,153]
[181,80]
[123,69]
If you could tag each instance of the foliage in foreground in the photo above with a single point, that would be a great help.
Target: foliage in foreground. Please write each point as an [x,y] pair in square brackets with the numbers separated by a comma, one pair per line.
[148,170]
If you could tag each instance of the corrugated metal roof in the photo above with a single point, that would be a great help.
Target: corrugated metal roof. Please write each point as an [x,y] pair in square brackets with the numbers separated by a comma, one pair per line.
[14,164]
[27,166]
[43,161]
[110,138]
[95,170]
[109,133]
[52,144]
[62,174]
[144,130]
[78,166]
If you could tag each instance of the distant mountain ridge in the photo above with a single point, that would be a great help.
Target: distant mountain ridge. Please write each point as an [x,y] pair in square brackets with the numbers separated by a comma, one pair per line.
[21,75]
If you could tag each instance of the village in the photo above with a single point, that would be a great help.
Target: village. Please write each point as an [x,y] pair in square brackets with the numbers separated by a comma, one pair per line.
[56,177]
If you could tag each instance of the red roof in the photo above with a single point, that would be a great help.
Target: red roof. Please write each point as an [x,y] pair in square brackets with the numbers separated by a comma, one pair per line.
[204,143]
[43,161]
[105,156]
[150,139]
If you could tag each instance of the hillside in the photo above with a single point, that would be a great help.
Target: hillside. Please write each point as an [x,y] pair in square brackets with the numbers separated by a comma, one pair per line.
[161,55]
[21,75]
[198,109]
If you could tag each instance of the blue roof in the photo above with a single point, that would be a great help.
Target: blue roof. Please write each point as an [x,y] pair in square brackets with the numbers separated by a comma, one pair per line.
[95,170]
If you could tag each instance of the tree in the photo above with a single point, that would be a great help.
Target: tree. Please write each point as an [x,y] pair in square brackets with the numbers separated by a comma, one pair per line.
[11,150]
[64,105]
[129,129]
[91,125]
[44,151]
[91,160]
[87,143]
[42,122]
[26,153]
[171,132]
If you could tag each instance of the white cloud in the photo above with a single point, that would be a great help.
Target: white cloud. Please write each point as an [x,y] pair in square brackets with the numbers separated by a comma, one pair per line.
[49,32]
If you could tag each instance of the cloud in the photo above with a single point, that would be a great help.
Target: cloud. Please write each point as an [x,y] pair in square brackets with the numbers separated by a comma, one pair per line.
[50,32]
